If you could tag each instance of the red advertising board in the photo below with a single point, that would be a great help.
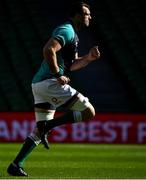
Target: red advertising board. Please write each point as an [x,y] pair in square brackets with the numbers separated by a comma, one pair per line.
[103,128]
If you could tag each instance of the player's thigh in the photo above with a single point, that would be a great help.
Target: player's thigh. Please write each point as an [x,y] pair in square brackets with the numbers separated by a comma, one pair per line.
[83,106]
[53,92]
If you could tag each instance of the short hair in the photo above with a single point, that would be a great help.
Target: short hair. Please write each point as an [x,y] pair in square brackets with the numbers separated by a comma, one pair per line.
[77,8]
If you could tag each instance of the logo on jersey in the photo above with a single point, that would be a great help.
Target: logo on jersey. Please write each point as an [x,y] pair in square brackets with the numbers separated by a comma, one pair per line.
[56,101]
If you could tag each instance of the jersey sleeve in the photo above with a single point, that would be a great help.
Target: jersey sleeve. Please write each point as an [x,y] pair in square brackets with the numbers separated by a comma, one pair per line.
[64,34]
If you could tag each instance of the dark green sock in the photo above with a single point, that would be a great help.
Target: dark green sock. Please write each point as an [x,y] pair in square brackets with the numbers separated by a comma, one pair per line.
[67,118]
[26,149]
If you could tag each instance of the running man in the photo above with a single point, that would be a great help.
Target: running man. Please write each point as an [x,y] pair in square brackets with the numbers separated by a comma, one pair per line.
[50,85]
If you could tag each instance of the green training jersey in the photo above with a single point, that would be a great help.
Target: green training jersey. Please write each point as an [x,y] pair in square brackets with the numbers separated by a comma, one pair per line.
[67,37]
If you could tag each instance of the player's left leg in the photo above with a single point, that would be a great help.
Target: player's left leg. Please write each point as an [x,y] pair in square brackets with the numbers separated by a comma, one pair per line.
[16,167]
[32,141]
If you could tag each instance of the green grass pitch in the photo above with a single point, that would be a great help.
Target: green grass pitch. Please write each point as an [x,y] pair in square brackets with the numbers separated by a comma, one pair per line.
[79,161]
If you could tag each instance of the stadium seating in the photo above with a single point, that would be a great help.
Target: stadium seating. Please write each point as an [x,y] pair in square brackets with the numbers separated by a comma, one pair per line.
[123,28]
[118,80]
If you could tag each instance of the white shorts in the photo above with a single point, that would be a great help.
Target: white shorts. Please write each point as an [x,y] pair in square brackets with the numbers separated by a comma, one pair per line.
[56,94]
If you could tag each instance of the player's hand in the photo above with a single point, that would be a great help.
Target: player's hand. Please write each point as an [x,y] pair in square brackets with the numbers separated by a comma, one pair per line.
[63,80]
[94,53]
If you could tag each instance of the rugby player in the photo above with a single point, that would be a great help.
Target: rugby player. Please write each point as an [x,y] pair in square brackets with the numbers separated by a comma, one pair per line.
[50,85]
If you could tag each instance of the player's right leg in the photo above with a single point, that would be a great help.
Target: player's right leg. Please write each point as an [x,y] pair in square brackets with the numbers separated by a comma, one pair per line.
[80,109]
[65,96]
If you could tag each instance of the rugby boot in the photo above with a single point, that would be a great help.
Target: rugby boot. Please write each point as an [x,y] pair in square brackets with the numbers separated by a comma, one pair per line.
[15,170]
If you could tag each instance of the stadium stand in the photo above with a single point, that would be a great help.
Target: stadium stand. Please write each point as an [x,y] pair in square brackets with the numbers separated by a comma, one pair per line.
[122,27]
[118,80]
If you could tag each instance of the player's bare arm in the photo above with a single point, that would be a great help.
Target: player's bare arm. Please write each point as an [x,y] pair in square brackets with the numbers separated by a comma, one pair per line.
[49,52]
[83,61]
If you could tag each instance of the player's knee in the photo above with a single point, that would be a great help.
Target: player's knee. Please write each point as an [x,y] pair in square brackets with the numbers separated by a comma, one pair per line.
[88,113]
